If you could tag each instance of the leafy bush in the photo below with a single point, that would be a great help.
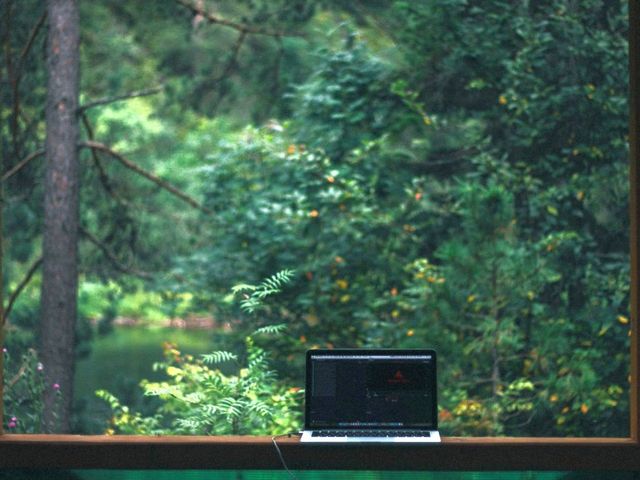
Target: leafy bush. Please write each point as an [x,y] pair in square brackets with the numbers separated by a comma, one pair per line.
[346,102]
[199,398]
[221,392]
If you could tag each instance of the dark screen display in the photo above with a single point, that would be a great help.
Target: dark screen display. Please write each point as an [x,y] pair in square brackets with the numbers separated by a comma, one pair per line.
[369,389]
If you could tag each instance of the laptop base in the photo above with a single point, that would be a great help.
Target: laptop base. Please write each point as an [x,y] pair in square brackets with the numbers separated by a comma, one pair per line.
[308,437]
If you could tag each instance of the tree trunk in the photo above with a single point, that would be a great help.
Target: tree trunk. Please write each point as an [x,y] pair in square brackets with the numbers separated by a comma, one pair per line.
[2,314]
[60,234]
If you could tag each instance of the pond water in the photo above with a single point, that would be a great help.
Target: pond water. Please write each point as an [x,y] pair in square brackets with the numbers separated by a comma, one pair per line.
[123,357]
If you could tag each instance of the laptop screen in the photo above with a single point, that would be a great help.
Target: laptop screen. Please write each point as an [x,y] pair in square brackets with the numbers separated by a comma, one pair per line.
[387,389]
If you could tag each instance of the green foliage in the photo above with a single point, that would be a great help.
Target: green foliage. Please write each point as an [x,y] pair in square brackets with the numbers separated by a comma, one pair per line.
[473,309]
[201,397]
[124,421]
[291,205]
[23,388]
[345,102]
[254,300]
[444,173]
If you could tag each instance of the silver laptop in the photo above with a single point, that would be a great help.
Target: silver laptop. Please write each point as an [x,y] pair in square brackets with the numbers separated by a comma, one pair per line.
[371,395]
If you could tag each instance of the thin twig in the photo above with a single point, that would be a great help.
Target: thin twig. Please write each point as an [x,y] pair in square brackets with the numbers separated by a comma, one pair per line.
[275,89]
[112,257]
[15,76]
[22,163]
[32,38]
[211,18]
[21,371]
[107,100]
[148,175]
[233,59]
[21,286]
[104,178]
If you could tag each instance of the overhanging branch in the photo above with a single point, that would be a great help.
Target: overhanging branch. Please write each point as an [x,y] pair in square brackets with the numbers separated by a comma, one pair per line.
[233,58]
[112,257]
[127,163]
[21,286]
[30,40]
[107,100]
[22,163]
[148,175]
[241,27]
[102,174]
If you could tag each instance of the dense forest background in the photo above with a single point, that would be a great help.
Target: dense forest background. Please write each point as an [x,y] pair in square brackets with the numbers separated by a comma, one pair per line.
[444,173]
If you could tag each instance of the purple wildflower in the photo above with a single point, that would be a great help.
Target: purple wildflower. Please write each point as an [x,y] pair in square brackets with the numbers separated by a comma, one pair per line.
[56,386]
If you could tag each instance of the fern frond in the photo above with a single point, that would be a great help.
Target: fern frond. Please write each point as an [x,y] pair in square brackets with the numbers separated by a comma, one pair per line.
[263,293]
[271,329]
[218,357]
[163,390]
[276,281]
[189,423]
[243,287]
[232,407]
[250,304]
[269,286]
[194,397]
[111,399]
[258,365]
[210,409]
[261,408]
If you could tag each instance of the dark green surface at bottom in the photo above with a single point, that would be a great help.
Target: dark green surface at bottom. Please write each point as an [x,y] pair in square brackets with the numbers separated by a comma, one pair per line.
[310,475]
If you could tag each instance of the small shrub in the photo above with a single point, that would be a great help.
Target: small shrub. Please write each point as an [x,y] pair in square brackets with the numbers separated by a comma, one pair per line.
[220,392]
[199,398]
[23,389]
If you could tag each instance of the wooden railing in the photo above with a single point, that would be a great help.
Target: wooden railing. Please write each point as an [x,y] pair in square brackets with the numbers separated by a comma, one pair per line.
[247,453]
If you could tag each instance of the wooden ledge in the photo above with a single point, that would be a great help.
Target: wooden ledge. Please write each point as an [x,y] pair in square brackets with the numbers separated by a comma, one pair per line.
[258,453]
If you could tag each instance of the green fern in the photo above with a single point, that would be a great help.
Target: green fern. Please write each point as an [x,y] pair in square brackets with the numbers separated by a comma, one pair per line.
[261,408]
[190,424]
[254,295]
[271,329]
[219,357]
[200,398]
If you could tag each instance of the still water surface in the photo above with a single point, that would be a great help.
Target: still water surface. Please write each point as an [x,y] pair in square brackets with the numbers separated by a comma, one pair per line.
[123,357]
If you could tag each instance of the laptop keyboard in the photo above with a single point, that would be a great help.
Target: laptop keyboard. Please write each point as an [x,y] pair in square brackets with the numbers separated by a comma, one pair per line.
[371,433]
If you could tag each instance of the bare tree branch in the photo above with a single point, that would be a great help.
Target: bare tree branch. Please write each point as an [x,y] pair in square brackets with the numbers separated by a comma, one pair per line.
[104,178]
[275,89]
[127,163]
[211,18]
[22,163]
[21,286]
[233,59]
[148,175]
[112,257]
[107,100]
[14,77]
[32,38]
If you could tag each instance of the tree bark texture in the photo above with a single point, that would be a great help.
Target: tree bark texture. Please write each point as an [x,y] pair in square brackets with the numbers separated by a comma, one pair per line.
[60,234]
